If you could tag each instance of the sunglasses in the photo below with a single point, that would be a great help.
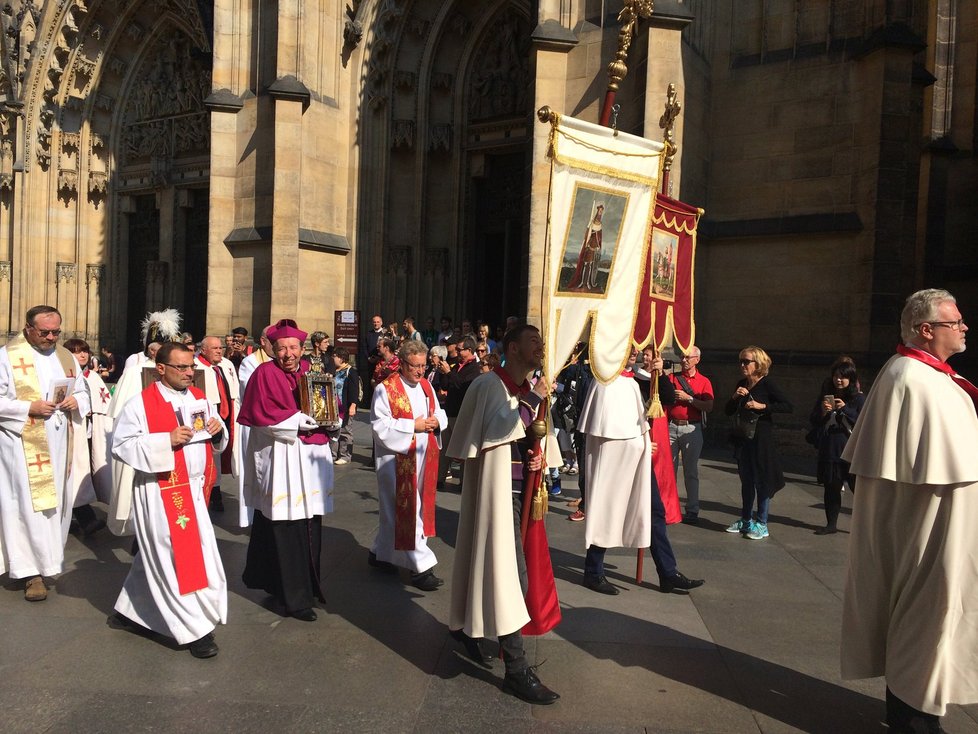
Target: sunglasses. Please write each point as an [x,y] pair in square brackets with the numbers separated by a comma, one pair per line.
[745,362]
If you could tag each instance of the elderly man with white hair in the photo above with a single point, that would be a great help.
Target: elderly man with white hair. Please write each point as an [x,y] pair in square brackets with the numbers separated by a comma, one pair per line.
[911,596]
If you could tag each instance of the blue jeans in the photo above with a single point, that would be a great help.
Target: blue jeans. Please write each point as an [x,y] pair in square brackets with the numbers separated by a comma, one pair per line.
[747,468]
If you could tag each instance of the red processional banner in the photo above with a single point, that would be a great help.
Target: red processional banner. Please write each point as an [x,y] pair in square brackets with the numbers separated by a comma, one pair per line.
[667,292]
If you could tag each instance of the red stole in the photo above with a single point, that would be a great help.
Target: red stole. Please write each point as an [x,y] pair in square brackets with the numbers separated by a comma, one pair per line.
[541,599]
[226,412]
[931,361]
[181,517]
[406,470]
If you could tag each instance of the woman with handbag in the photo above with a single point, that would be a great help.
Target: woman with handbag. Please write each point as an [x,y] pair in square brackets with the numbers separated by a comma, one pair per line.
[832,418]
[752,405]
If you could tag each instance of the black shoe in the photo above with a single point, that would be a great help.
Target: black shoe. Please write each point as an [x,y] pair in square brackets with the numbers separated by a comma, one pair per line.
[677,583]
[205,647]
[305,615]
[92,527]
[691,520]
[600,584]
[473,647]
[527,686]
[217,501]
[827,530]
[373,561]
[426,581]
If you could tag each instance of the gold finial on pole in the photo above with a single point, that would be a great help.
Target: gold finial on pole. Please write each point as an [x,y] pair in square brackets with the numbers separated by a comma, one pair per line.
[617,70]
[667,123]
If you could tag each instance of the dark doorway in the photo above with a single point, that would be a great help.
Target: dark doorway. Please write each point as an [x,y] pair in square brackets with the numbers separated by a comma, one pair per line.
[498,261]
[194,306]
[144,247]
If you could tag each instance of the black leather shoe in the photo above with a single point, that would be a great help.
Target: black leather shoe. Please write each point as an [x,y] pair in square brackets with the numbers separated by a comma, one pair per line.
[306,615]
[426,581]
[205,647]
[691,520]
[474,648]
[600,584]
[678,583]
[827,530]
[527,686]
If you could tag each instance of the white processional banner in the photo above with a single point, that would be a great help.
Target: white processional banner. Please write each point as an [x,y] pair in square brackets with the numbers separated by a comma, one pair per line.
[602,200]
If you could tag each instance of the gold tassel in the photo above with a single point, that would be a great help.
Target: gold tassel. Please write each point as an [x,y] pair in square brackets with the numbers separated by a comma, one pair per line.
[540,503]
[655,408]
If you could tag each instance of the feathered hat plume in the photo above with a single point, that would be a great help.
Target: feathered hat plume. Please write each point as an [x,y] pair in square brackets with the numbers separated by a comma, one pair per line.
[161,326]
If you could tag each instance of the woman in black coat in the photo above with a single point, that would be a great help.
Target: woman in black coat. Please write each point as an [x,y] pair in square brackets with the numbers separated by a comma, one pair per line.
[832,418]
[758,464]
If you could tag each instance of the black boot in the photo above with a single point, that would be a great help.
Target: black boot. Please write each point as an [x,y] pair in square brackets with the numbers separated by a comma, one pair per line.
[525,685]
[900,717]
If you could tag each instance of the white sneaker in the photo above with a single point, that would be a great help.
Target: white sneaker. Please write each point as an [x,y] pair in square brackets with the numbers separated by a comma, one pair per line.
[342,461]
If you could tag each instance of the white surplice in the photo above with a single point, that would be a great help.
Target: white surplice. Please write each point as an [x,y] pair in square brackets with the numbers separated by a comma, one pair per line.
[910,609]
[120,502]
[617,465]
[32,543]
[98,486]
[286,479]
[393,436]
[150,595]
[245,370]
[226,366]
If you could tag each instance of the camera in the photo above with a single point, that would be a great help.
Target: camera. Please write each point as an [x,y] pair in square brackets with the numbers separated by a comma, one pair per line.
[667,365]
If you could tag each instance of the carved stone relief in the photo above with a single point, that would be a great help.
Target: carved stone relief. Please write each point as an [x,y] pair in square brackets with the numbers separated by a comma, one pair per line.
[65,272]
[499,85]
[389,16]
[5,270]
[440,137]
[399,260]
[402,133]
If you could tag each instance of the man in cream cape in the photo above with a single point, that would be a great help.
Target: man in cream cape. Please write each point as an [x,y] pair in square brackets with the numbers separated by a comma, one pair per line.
[262,354]
[911,595]
[489,579]
[405,418]
[176,585]
[43,451]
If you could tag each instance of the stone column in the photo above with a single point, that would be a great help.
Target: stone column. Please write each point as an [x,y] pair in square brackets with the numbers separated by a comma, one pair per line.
[93,286]
[548,59]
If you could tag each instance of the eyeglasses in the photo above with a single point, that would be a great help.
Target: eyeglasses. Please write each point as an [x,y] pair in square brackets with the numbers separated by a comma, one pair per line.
[179,367]
[953,325]
[482,351]
[686,357]
[47,332]
[745,362]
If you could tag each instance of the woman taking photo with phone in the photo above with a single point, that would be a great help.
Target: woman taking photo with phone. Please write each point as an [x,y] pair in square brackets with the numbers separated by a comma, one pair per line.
[832,418]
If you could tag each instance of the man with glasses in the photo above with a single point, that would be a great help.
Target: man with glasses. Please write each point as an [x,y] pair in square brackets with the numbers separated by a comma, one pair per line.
[407,423]
[176,585]
[45,454]
[687,416]
[456,381]
[223,392]
[911,596]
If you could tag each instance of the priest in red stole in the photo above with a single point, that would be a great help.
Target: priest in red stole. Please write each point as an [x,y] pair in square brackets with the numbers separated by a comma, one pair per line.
[288,470]
[911,596]
[407,422]
[176,585]
[489,583]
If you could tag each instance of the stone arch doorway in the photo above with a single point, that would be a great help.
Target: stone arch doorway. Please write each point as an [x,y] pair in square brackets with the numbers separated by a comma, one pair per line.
[445,151]
[107,137]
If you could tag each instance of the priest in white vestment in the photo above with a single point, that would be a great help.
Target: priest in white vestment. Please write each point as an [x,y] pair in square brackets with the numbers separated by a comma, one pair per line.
[489,577]
[618,471]
[176,585]
[224,393]
[910,610]
[288,480]
[406,419]
[245,370]
[43,451]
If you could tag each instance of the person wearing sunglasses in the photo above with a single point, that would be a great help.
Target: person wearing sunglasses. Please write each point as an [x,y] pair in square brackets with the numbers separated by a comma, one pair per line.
[42,398]
[911,592]
[757,398]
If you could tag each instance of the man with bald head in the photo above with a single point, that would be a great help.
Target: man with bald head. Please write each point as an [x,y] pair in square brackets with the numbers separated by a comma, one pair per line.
[687,416]
[223,392]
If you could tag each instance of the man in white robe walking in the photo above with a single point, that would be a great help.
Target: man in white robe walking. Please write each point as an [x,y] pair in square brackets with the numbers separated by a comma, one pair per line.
[176,585]
[224,393]
[406,419]
[911,593]
[43,450]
